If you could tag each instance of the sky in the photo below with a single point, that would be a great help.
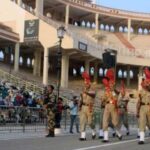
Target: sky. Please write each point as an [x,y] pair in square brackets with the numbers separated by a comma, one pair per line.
[131,5]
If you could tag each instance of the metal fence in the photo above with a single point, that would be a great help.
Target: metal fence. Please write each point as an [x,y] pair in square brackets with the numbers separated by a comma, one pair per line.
[22,119]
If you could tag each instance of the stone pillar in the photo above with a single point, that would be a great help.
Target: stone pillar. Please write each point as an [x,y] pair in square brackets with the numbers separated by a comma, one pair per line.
[37,63]
[64,71]
[45,66]
[128,75]
[16,58]
[140,77]
[129,29]
[96,23]
[67,16]
[87,66]
[95,72]
[20,2]
[39,7]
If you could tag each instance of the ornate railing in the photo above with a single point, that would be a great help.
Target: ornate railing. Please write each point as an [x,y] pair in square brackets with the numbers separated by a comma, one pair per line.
[118,12]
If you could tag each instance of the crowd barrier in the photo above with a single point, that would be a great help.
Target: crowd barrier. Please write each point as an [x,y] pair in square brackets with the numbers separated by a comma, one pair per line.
[22,119]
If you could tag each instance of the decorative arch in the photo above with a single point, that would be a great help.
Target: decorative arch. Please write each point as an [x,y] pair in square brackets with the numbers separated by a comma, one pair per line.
[88,24]
[12,58]
[76,24]
[120,29]
[83,24]
[105,72]
[101,72]
[28,61]
[145,31]
[107,27]
[74,72]
[93,25]
[102,27]
[125,29]
[112,29]
[20,60]
[125,74]
[81,69]
[140,31]
[120,73]
[92,70]
[132,30]
[1,55]
[131,74]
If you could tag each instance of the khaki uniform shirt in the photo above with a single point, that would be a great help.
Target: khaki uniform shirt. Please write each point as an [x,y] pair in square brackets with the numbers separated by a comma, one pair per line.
[145,97]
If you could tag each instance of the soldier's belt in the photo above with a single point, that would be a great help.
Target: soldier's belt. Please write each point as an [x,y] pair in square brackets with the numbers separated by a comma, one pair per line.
[84,104]
[144,103]
[111,102]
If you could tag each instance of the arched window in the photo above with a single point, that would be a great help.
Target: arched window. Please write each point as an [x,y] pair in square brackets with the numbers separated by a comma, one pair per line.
[101,72]
[74,72]
[20,60]
[131,74]
[88,24]
[120,29]
[28,61]
[32,62]
[120,73]
[145,31]
[140,31]
[1,56]
[112,29]
[81,69]
[125,74]
[102,27]
[105,72]
[83,23]
[76,24]
[93,25]
[92,71]
[132,30]
[12,57]
[107,27]
[125,29]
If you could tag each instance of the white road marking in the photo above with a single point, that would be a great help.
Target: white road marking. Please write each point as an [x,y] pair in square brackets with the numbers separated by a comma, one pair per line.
[111,144]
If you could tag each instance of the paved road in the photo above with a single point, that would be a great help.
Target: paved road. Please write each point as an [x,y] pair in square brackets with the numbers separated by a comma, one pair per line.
[37,141]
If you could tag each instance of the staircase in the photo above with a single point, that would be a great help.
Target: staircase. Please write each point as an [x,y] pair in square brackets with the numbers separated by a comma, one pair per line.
[126,43]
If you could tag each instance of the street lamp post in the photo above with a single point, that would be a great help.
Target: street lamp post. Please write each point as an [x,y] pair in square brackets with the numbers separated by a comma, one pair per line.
[60,34]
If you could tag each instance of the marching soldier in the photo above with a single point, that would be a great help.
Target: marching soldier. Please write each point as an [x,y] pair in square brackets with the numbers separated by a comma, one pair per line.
[49,103]
[143,107]
[123,100]
[86,108]
[110,98]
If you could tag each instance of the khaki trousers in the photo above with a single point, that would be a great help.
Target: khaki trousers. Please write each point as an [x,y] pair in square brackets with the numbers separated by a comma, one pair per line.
[86,118]
[144,117]
[110,112]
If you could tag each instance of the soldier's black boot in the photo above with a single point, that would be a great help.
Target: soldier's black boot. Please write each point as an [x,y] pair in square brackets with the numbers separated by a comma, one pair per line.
[50,134]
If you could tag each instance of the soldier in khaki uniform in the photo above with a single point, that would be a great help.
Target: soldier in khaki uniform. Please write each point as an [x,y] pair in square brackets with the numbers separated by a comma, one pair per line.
[123,100]
[110,98]
[49,103]
[86,108]
[143,109]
